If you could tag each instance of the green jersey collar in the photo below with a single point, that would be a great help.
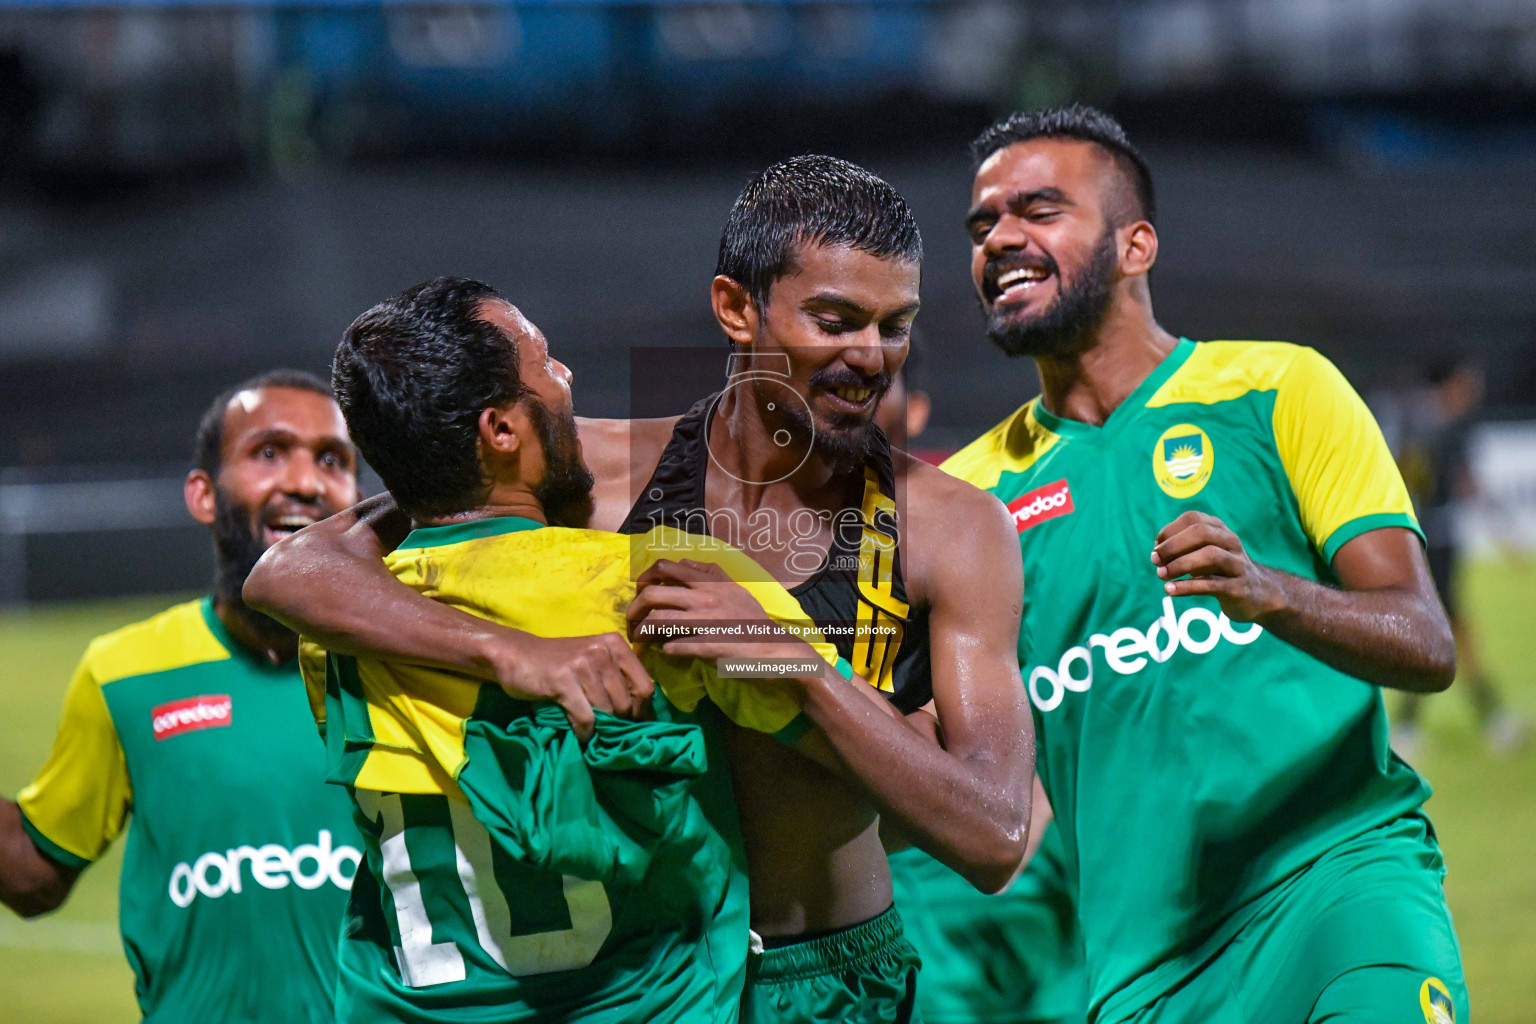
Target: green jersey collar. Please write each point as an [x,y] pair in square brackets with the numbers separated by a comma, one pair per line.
[236,649]
[1126,409]
[458,533]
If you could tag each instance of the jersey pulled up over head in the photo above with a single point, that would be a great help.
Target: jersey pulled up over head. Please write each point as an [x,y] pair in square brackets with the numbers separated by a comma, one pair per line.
[239,857]
[510,873]
[1194,763]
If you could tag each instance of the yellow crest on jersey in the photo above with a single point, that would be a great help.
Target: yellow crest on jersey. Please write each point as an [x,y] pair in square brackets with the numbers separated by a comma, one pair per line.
[1182,460]
[1435,1000]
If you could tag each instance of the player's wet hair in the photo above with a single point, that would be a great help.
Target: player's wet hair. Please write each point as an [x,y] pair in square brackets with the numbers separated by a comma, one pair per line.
[412,376]
[208,448]
[812,200]
[1084,124]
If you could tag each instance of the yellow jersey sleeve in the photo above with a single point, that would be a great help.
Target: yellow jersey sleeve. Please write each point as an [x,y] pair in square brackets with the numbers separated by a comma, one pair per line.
[400,728]
[1340,470]
[80,800]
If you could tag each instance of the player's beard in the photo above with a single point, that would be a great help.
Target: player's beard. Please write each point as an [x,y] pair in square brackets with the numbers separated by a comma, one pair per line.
[566,490]
[237,547]
[1067,326]
[847,442]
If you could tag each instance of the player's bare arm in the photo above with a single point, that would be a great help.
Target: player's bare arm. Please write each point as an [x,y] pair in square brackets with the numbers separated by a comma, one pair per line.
[1383,624]
[30,882]
[965,802]
[329,582]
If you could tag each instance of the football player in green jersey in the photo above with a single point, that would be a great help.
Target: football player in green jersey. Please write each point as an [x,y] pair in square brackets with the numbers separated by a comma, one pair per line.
[604,884]
[235,873]
[1010,958]
[1225,572]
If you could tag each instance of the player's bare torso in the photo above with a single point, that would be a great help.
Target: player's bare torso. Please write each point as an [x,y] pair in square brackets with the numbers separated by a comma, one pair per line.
[814,853]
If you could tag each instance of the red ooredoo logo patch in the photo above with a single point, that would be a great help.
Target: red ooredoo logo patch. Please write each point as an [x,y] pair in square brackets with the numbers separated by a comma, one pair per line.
[209,711]
[1040,504]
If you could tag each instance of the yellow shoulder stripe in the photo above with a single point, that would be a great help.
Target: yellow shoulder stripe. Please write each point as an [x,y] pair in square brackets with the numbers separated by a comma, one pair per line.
[1220,371]
[1341,471]
[175,638]
[1010,447]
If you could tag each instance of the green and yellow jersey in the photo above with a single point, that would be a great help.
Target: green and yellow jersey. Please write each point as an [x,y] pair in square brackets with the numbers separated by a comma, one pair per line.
[1193,763]
[234,873]
[511,874]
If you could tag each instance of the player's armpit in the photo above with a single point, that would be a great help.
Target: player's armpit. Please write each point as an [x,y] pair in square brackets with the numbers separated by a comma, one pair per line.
[31,883]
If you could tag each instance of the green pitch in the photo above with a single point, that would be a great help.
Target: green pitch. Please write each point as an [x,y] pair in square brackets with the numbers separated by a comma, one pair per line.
[69,967]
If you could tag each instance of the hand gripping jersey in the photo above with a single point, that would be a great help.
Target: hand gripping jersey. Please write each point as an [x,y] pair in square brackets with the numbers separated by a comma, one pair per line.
[858,596]
[238,863]
[510,873]
[1194,763]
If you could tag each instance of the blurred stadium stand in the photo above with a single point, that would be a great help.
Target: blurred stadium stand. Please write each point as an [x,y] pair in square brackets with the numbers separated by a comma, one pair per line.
[193,192]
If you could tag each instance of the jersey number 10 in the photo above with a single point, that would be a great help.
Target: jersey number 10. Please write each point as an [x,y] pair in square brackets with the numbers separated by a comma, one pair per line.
[441,847]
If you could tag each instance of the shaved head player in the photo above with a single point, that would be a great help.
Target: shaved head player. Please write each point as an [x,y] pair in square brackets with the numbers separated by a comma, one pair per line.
[194,722]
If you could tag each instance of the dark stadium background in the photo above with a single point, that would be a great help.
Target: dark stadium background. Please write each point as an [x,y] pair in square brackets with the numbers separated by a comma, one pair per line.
[191,192]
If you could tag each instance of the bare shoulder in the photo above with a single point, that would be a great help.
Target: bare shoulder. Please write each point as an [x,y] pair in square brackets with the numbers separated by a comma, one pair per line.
[947,521]
[937,501]
[621,454]
[613,448]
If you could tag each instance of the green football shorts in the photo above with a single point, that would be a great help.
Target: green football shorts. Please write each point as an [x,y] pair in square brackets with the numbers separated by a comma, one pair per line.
[866,974]
[1363,936]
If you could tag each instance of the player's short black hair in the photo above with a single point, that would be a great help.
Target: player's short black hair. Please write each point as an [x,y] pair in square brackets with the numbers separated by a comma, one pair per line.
[812,200]
[413,375]
[208,448]
[1085,124]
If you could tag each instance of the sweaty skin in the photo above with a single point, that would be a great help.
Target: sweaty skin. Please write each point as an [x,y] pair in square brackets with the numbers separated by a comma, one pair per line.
[1054,198]
[810,823]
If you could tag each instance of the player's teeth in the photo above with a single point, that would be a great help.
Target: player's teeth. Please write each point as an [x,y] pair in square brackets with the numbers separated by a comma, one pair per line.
[1027,275]
[294,522]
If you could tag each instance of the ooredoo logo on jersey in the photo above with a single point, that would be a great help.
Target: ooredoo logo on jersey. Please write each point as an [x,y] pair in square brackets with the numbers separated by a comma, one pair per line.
[207,711]
[1128,650]
[308,866]
[1042,503]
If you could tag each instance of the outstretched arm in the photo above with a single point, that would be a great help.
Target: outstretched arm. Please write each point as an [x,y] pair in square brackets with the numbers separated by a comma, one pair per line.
[1383,624]
[328,582]
[966,802]
[31,883]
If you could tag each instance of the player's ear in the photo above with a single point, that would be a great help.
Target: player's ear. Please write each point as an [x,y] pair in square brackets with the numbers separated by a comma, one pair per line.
[919,405]
[1138,248]
[502,430]
[198,490]
[734,309]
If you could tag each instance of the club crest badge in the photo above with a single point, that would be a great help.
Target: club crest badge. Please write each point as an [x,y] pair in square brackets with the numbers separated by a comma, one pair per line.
[1182,460]
[1435,1000]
